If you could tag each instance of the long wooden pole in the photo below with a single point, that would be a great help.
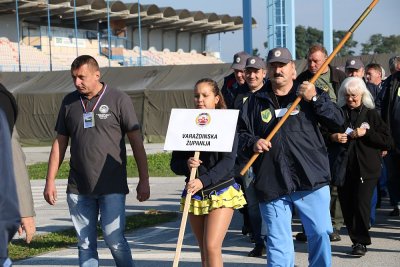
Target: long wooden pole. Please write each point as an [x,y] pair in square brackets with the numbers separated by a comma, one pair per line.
[313,79]
[184,216]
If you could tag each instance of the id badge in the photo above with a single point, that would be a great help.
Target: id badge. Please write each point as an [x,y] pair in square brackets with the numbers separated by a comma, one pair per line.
[280,112]
[348,131]
[88,120]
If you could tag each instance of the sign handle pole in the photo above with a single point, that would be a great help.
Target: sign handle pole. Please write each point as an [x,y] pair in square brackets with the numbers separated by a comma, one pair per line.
[184,216]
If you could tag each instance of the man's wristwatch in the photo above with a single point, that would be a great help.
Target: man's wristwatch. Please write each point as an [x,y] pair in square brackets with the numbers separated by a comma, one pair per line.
[315,98]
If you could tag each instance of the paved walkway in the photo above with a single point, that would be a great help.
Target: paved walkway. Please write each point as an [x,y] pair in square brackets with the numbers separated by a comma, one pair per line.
[155,246]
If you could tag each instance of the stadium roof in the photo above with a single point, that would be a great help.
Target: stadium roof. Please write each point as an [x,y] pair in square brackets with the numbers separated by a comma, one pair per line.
[62,12]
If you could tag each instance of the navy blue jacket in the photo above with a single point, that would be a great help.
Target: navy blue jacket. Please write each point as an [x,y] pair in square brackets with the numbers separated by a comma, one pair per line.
[390,107]
[298,158]
[217,167]
[229,90]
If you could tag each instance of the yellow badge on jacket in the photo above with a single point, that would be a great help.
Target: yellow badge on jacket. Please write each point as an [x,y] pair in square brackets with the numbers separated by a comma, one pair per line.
[398,92]
[266,115]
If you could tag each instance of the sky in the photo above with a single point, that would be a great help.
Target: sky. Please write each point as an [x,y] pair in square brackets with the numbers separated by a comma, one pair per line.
[382,19]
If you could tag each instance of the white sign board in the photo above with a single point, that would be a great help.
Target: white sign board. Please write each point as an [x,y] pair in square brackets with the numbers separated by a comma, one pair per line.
[201,130]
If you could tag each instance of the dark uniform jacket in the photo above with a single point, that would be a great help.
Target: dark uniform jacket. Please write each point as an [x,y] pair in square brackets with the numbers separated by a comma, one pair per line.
[229,90]
[364,152]
[298,158]
[217,167]
[390,106]
[373,89]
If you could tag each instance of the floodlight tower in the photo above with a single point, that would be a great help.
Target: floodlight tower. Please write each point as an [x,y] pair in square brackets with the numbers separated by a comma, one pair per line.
[247,30]
[281,25]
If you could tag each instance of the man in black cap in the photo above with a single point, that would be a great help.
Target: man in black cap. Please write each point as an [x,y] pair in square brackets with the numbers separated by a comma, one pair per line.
[254,73]
[355,68]
[292,170]
[236,79]
[229,91]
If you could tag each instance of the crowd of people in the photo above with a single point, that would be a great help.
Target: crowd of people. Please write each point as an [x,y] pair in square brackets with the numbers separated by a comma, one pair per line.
[331,150]
[324,163]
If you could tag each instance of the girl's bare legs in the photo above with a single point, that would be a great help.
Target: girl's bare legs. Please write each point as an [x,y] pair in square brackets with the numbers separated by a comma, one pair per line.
[210,231]
[197,225]
[216,226]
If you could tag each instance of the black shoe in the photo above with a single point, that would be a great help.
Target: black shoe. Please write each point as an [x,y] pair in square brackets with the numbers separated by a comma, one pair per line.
[300,236]
[359,250]
[257,251]
[245,230]
[335,236]
[395,212]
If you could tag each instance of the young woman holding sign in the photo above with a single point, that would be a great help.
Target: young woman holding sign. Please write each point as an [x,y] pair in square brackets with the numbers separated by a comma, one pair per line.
[215,194]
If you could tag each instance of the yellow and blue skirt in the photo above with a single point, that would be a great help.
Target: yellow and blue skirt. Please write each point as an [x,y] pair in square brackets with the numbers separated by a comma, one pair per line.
[229,197]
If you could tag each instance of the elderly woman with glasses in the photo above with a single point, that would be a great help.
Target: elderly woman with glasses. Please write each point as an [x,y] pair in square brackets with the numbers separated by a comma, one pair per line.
[355,151]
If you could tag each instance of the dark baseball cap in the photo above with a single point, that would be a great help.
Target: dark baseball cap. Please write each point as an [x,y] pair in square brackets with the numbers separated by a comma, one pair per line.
[279,54]
[239,60]
[354,63]
[255,62]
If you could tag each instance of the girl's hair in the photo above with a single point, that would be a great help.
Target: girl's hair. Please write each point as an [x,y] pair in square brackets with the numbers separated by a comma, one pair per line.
[355,85]
[214,86]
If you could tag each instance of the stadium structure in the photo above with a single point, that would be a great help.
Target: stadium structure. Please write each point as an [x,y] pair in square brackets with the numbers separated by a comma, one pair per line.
[154,54]
[40,35]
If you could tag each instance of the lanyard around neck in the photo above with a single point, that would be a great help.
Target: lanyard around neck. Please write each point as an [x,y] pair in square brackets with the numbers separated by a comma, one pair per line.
[97,102]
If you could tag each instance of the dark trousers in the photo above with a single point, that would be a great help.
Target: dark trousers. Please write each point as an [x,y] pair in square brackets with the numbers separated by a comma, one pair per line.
[335,209]
[253,208]
[392,161]
[355,199]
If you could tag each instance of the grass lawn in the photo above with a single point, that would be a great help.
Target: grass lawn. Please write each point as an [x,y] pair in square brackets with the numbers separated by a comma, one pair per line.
[158,167]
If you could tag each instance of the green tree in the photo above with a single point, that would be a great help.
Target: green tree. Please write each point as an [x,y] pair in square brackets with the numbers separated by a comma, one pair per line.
[305,37]
[378,44]
[256,52]
[346,50]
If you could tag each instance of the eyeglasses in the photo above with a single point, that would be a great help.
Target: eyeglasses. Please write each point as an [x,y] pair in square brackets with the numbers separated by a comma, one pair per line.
[351,96]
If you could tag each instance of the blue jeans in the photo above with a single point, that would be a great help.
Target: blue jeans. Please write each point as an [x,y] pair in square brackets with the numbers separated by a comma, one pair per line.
[84,210]
[313,208]
[5,262]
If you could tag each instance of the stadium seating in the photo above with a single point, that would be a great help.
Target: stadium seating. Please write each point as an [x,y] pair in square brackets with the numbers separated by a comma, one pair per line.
[34,59]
